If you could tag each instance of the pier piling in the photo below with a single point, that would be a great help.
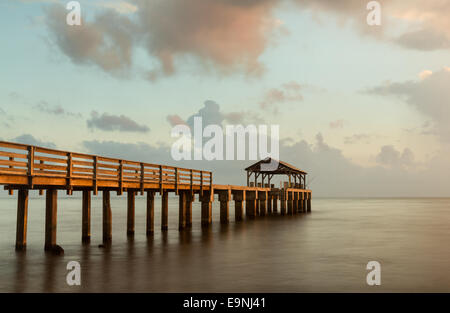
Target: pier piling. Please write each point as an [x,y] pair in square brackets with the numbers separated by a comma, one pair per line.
[181,210]
[86,217]
[164,210]
[305,206]
[107,217]
[131,202]
[190,197]
[239,197]
[150,212]
[275,203]
[250,203]
[50,219]
[290,202]
[295,204]
[206,209]
[262,199]
[283,202]
[22,216]
[224,199]
[309,203]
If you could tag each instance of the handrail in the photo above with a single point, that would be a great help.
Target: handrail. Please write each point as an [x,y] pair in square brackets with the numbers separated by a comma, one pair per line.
[38,161]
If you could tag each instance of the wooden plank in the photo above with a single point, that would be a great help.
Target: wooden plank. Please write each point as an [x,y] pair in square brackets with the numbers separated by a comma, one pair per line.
[13,163]
[11,145]
[48,159]
[13,155]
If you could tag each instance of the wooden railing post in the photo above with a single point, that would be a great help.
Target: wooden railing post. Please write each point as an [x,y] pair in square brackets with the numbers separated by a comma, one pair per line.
[176,181]
[120,192]
[69,173]
[201,183]
[142,178]
[160,179]
[10,190]
[95,176]
[192,179]
[30,166]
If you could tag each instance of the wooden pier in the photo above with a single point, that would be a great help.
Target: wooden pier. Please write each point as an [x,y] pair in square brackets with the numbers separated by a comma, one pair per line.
[25,167]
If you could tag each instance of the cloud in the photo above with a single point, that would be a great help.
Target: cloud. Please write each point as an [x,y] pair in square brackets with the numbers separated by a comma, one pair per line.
[106,42]
[390,156]
[288,92]
[175,119]
[223,35]
[331,174]
[44,107]
[244,117]
[140,151]
[122,7]
[357,138]
[424,74]
[28,139]
[423,25]
[430,97]
[211,114]
[424,39]
[337,124]
[108,122]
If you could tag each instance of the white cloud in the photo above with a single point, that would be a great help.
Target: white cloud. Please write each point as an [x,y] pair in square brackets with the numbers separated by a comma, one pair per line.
[122,7]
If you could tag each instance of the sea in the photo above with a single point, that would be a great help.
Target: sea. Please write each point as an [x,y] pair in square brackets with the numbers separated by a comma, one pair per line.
[327,250]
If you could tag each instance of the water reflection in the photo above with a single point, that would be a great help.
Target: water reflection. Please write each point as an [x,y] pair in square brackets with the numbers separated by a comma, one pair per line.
[326,250]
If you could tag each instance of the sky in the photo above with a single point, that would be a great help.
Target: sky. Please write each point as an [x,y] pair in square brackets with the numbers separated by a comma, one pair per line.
[363,109]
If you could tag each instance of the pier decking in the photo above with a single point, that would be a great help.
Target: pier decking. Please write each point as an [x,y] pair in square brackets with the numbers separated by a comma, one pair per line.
[26,167]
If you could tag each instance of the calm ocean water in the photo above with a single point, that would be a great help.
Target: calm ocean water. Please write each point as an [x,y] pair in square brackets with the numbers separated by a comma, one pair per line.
[326,250]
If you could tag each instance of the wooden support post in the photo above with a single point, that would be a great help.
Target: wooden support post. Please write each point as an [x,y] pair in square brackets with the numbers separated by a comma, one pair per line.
[190,197]
[206,209]
[300,202]
[150,212]
[309,202]
[86,217]
[182,210]
[257,207]
[283,202]
[250,203]
[262,199]
[290,203]
[107,217]
[224,198]
[275,203]
[50,219]
[295,204]
[305,206]
[22,216]
[239,197]
[165,210]
[130,212]
[269,203]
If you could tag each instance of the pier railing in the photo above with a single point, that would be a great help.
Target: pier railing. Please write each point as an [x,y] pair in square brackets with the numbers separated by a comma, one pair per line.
[35,162]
